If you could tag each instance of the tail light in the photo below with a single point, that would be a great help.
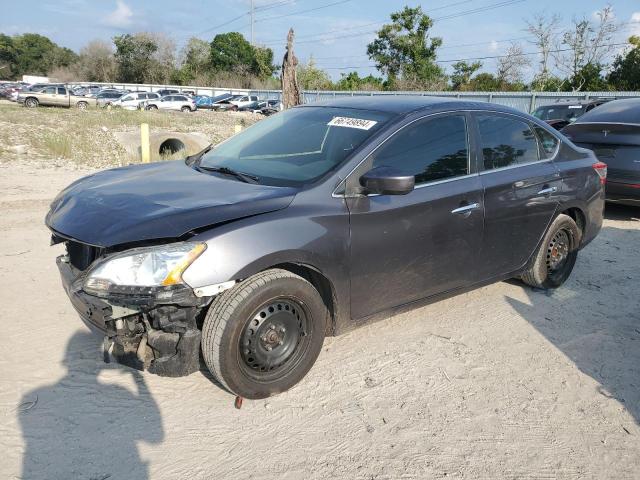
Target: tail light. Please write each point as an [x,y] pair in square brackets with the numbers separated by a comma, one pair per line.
[601,170]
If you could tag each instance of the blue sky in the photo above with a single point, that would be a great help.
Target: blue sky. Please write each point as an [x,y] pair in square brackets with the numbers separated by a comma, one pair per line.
[336,35]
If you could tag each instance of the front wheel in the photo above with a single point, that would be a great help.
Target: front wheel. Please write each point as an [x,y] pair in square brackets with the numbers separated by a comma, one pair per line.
[185,109]
[263,335]
[151,107]
[82,105]
[31,103]
[556,255]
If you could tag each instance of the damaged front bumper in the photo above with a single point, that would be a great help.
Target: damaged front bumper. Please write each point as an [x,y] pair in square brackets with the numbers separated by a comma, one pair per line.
[143,331]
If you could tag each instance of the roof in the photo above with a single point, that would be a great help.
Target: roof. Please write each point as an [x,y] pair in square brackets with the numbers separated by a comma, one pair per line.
[616,111]
[400,104]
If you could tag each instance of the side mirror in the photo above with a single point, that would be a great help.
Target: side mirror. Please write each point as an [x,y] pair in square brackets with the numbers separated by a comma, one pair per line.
[387,181]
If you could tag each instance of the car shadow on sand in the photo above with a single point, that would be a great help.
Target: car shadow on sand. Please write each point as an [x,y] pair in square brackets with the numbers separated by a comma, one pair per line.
[594,319]
[81,427]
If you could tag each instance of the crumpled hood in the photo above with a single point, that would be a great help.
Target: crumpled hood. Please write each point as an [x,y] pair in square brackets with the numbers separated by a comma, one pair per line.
[155,201]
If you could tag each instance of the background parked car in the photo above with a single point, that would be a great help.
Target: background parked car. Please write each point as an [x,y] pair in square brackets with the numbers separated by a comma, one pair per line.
[133,100]
[561,114]
[212,103]
[172,102]
[244,101]
[612,131]
[167,91]
[107,97]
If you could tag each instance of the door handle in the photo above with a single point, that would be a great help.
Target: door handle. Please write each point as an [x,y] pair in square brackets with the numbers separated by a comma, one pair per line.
[547,191]
[466,208]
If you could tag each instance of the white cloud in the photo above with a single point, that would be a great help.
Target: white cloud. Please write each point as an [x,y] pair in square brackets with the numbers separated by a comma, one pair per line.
[493,46]
[121,17]
[635,23]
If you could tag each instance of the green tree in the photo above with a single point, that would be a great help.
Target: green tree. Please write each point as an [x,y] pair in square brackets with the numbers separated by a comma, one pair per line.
[353,81]
[263,66]
[311,77]
[7,56]
[195,62]
[462,73]
[485,82]
[231,52]
[625,74]
[37,55]
[404,50]
[134,55]
[588,79]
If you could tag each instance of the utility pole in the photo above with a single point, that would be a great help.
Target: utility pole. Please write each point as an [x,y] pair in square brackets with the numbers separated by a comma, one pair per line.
[252,22]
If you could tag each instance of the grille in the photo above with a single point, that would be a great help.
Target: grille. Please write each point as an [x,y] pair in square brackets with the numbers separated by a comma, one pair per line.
[81,255]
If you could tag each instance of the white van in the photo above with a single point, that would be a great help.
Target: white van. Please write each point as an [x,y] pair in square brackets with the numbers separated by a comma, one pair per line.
[132,100]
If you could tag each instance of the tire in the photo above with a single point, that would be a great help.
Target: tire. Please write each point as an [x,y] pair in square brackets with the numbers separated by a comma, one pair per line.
[82,105]
[245,344]
[31,102]
[151,107]
[556,255]
[185,109]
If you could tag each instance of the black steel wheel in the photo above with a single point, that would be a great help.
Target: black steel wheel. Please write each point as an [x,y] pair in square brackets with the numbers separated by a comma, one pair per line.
[556,256]
[263,335]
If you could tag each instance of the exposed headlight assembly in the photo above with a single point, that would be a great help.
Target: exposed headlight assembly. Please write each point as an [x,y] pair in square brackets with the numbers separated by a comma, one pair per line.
[142,270]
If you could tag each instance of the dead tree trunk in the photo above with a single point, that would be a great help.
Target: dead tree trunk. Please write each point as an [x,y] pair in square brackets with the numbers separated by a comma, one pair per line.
[290,89]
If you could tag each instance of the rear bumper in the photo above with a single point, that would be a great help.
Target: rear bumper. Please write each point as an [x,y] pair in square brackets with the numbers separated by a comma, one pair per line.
[623,192]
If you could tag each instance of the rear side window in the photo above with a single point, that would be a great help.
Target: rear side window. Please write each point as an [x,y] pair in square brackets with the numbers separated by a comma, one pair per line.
[548,142]
[62,91]
[431,149]
[506,141]
[49,90]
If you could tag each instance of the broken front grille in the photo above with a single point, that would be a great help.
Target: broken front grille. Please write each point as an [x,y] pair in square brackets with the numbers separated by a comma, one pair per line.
[81,255]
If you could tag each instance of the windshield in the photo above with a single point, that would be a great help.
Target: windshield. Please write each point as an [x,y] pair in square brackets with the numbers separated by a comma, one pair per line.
[559,112]
[298,146]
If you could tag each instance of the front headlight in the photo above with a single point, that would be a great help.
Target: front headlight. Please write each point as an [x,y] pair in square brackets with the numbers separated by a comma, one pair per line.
[160,266]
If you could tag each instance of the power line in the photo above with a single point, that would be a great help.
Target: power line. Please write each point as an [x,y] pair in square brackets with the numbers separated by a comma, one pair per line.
[321,37]
[304,11]
[487,57]
[440,48]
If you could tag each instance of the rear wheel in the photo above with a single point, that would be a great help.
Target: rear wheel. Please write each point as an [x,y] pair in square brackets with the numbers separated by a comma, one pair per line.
[31,102]
[262,336]
[82,105]
[152,107]
[556,256]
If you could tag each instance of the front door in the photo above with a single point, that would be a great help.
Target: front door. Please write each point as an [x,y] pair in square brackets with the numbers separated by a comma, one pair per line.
[408,247]
[521,185]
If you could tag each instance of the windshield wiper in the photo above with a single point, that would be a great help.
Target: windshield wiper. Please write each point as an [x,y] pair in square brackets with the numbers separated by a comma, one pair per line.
[244,177]
[195,158]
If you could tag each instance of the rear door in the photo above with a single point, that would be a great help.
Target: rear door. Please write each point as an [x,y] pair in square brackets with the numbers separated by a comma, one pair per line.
[62,99]
[48,96]
[408,247]
[521,188]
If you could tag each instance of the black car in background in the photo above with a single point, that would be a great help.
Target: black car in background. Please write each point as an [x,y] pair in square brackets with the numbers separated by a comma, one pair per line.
[561,114]
[314,221]
[612,131]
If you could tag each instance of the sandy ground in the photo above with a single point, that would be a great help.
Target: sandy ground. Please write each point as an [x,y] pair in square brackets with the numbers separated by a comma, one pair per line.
[503,382]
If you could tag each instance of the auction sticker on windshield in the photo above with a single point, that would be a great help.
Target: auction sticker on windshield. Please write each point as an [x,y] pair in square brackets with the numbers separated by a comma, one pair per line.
[348,122]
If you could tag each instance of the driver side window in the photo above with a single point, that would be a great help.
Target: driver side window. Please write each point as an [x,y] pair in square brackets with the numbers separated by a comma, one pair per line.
[431,149]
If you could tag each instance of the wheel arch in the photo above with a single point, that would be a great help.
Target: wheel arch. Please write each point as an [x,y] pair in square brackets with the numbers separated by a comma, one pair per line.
[321,283]
[577,215]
